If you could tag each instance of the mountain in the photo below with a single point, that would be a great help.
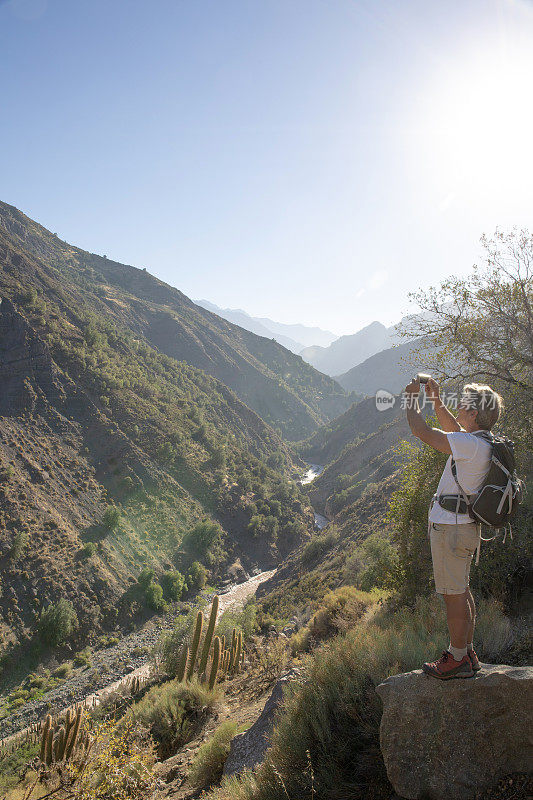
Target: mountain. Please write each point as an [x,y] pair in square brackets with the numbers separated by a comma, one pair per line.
[391,369]
[115,454]
[294,337]
[347,351]
[360,420]
[244,320]
[284,390]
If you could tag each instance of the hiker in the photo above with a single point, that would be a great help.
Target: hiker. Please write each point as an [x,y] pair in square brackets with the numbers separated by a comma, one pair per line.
[453,534]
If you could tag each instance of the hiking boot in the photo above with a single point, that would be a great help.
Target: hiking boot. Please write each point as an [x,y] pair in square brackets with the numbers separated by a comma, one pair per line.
[446,667]
[474,660]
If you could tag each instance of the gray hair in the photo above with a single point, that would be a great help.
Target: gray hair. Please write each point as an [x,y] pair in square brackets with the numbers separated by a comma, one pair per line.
[484,400]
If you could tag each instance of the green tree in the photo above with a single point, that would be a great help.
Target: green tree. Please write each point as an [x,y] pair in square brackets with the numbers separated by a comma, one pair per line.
[57,623]
[173,583]
[154,596]
[111,518]
[203,538]
[196,576]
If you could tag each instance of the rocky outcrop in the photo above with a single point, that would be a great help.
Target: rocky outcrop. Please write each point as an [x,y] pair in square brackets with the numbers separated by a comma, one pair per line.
[26,367]
[249,748]
[442,740]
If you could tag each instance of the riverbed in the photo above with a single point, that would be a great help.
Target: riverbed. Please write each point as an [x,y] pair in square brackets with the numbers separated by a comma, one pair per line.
[113,666]
[314,470]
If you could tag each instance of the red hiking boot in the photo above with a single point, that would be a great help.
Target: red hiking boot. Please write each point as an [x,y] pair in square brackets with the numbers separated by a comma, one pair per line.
[474,660]
[447,667]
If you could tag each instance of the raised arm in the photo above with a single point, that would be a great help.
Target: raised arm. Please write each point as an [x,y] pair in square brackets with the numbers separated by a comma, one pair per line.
[435,438]
[445,417]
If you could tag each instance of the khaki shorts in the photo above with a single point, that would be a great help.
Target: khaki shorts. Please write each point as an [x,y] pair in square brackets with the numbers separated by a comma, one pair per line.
[452,549]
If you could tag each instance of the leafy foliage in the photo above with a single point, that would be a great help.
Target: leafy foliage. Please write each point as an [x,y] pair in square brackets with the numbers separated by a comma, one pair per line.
[57,623]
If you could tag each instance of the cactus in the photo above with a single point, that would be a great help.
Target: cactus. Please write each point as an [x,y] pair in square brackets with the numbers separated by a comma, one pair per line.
[48,747]
[182,664]
[60,739]
[215,663]
[195,643]
[209,635]
[222,644]
[72,739]
[44,738]
[238,650]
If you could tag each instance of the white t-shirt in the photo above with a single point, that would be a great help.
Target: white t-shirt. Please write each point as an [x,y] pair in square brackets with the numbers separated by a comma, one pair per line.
[472,455]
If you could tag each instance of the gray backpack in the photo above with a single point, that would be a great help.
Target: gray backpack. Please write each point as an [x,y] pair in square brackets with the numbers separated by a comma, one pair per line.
[502,491]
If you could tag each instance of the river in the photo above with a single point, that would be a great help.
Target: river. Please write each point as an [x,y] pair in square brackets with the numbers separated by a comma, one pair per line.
[313,472]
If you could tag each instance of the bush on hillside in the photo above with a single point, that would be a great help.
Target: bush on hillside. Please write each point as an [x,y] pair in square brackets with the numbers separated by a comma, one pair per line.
[57,623]
[111,518]
[372,562]
[153,594]
[208,764]
[173,713]
[196,576]
[173,583]
[203,537]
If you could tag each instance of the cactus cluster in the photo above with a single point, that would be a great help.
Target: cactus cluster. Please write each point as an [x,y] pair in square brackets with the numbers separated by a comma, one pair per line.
[224,660]
[63,739]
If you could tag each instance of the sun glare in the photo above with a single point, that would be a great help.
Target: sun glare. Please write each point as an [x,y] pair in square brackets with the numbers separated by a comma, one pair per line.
[477,129]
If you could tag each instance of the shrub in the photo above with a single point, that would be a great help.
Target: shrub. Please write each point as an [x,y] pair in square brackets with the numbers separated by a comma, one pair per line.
[57,623]
[88,550]
[207,767]
[244,620]
[196,576]
[63,670]
[373,562]
[319,544]
[173,583]
[20,542]
[174,713]
[146,577]
[111,518]
[203,538]
[339,610]
[83,657]
[153,595]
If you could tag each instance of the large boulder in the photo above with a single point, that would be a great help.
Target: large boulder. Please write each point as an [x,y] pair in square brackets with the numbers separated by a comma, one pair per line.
[447,739]
[249,748]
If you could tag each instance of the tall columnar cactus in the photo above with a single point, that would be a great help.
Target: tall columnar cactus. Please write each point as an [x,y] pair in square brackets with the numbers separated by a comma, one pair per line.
[209,635]
[238,650]
[48,748]
[44,738]
[195,644]
[73,734]
[222,644]
[60,740]
[182,663]
[215,663]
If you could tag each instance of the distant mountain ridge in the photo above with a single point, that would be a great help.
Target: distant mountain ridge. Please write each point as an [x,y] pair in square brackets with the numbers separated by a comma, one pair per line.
[390,369]
[347,351]
[294,337]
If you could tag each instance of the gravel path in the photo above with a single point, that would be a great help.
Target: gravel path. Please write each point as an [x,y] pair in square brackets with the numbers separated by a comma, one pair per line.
[112,666]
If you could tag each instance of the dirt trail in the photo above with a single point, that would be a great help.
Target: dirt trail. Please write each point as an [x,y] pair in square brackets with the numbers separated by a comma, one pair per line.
[119,662]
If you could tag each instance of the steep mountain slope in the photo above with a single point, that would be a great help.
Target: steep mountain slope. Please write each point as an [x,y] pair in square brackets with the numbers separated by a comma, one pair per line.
[347,351]
[390,369]
[361,419]
[111,451]
[283,389]
[244,320]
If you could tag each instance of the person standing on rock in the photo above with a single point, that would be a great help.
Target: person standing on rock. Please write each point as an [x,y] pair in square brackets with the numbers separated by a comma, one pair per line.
[454,537]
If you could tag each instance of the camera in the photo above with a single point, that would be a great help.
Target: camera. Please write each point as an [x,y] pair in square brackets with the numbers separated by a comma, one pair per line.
[422,377]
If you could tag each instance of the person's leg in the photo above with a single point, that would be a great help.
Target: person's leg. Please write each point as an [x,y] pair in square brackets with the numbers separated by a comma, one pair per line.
[459,618]
[472,606]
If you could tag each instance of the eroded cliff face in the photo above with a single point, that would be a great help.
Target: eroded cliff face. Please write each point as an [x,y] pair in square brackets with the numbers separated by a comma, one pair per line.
[27,372]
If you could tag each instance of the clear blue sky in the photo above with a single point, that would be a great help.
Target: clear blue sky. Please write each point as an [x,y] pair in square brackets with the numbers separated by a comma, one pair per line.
[307,160]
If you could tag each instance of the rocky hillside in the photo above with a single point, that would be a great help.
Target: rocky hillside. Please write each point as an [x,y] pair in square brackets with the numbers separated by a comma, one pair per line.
[287,392]
[111,450]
